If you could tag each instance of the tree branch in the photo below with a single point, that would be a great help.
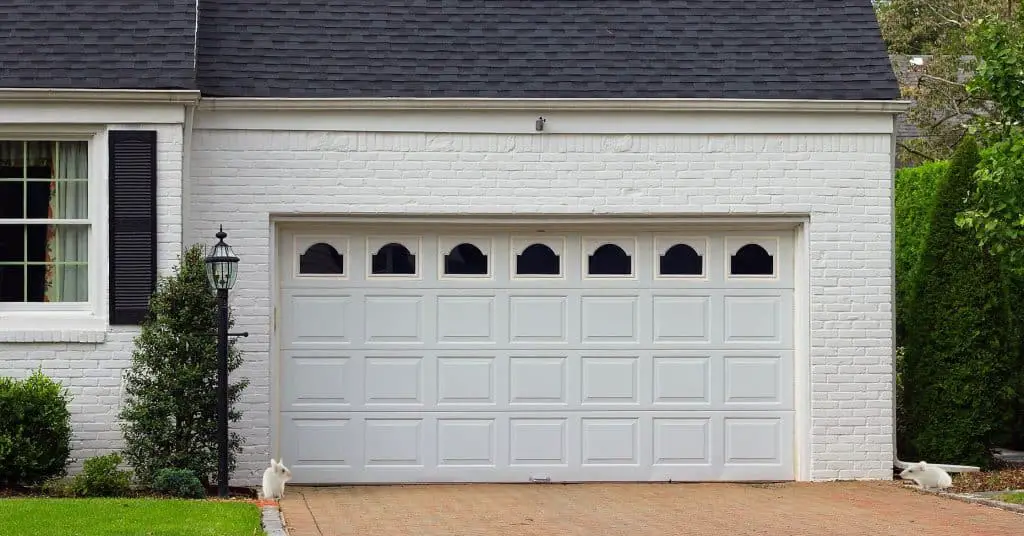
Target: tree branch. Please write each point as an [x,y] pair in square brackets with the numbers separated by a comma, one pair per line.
[907,148]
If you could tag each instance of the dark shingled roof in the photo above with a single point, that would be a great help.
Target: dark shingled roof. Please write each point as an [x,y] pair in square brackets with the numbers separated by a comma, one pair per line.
[97,44]
[809,49]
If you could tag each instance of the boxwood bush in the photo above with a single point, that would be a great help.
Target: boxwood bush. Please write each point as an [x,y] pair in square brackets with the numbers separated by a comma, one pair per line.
[35,430]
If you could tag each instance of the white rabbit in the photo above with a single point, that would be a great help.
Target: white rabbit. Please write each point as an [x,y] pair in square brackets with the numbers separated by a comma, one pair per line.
[927,476]
[274,478]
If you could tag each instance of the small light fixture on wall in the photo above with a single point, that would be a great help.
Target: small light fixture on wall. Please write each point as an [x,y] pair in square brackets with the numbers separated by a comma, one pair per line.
[540,123]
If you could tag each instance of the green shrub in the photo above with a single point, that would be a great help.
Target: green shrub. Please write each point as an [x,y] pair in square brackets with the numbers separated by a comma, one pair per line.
[100,477]
[178,483]
[170,413]
[60,487]
[915,200]
[958,378]
[35,430]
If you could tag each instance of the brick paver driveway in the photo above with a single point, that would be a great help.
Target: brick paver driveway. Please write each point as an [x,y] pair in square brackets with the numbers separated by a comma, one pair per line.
[833,508]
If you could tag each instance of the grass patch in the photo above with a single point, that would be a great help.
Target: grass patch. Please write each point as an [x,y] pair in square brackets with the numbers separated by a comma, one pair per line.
[122,517]
[1015,498]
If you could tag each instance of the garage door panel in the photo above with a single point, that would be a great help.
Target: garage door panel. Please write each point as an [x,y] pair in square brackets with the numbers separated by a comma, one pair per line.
[522,446]
[321,381]
[541,380]
[679,370]
[319,319]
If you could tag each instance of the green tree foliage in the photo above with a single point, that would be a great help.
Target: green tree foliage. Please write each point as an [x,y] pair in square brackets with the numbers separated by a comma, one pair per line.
[170,416]
[35,430]
[943,106]
[915,198]
[995,207]
[959,352]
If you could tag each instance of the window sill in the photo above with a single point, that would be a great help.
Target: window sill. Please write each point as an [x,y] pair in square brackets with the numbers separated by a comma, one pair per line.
[37,327]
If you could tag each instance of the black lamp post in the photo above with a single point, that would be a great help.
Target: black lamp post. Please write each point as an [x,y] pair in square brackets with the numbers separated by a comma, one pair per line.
[222,270]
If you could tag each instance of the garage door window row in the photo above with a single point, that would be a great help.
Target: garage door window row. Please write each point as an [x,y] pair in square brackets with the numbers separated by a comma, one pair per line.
[466,259]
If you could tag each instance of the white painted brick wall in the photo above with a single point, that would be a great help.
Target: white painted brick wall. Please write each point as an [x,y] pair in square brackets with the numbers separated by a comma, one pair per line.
[842,181]
[92,371]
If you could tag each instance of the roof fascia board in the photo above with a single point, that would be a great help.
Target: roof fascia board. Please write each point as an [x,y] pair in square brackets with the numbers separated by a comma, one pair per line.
[132,96]
[685,105]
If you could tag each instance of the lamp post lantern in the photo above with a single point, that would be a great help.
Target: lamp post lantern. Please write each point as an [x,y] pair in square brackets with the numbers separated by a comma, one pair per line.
[222,270]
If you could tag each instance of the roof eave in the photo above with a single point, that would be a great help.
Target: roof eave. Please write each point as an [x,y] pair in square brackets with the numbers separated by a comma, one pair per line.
[94,96]
[560,104]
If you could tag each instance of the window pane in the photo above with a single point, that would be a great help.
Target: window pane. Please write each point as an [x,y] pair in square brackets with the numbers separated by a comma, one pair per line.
[68,283]
[12,243]
[465,259]
[12,159]
[393,258]
[72,160]
[37,199]
[70,194]
[70,200]
[12,198]
[609,259]
[12,283]
[55,267]
[321,258]
[537,259]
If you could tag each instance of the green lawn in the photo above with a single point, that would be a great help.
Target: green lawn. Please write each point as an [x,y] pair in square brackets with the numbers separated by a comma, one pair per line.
[124,517]
[1015,498]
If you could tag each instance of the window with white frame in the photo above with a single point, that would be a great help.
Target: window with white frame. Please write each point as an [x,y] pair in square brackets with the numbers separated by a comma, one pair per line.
[44,221]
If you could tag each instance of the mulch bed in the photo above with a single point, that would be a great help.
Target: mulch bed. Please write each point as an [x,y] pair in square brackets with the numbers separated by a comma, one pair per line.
[1002,478]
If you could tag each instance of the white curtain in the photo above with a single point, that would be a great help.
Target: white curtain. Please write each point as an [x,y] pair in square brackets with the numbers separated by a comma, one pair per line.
[68,244]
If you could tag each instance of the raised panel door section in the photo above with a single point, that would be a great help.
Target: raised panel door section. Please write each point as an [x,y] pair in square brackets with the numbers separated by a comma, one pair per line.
[393,442]
[465,319]
[537,381]
[610,441]
[466,381]
[609,318]
[393,319]
[538,319]
[318,381]
[681,319]
[538,441]
[682,441]
[314,321]
[681,380]
[610,380]
[391,381]
[463,442]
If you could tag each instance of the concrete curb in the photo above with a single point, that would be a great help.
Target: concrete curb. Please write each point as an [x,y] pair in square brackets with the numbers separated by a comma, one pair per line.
[982,499]
[273,525]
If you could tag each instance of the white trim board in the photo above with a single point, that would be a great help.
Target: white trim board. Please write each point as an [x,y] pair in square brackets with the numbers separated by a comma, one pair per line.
[517,121]
[80,96]
[91,113]
[484,103]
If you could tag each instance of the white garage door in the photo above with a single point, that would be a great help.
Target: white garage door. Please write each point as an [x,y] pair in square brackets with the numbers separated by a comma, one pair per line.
[476,354]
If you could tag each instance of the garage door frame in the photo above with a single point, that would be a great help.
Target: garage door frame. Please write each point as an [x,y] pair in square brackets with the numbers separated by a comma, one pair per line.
[795,224]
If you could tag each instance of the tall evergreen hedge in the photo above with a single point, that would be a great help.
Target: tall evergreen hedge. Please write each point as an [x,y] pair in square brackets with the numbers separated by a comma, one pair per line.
[958,375]
[915,200]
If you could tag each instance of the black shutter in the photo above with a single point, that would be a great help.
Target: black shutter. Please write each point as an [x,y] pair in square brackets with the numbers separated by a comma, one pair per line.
[132,224]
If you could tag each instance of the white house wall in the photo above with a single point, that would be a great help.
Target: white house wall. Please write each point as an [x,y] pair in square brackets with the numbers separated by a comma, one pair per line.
[91,363]
[244,175]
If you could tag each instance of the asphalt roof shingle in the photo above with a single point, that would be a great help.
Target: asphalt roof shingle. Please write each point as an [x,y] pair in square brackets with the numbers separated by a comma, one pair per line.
[774,49]
[86,44]
[811,49]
